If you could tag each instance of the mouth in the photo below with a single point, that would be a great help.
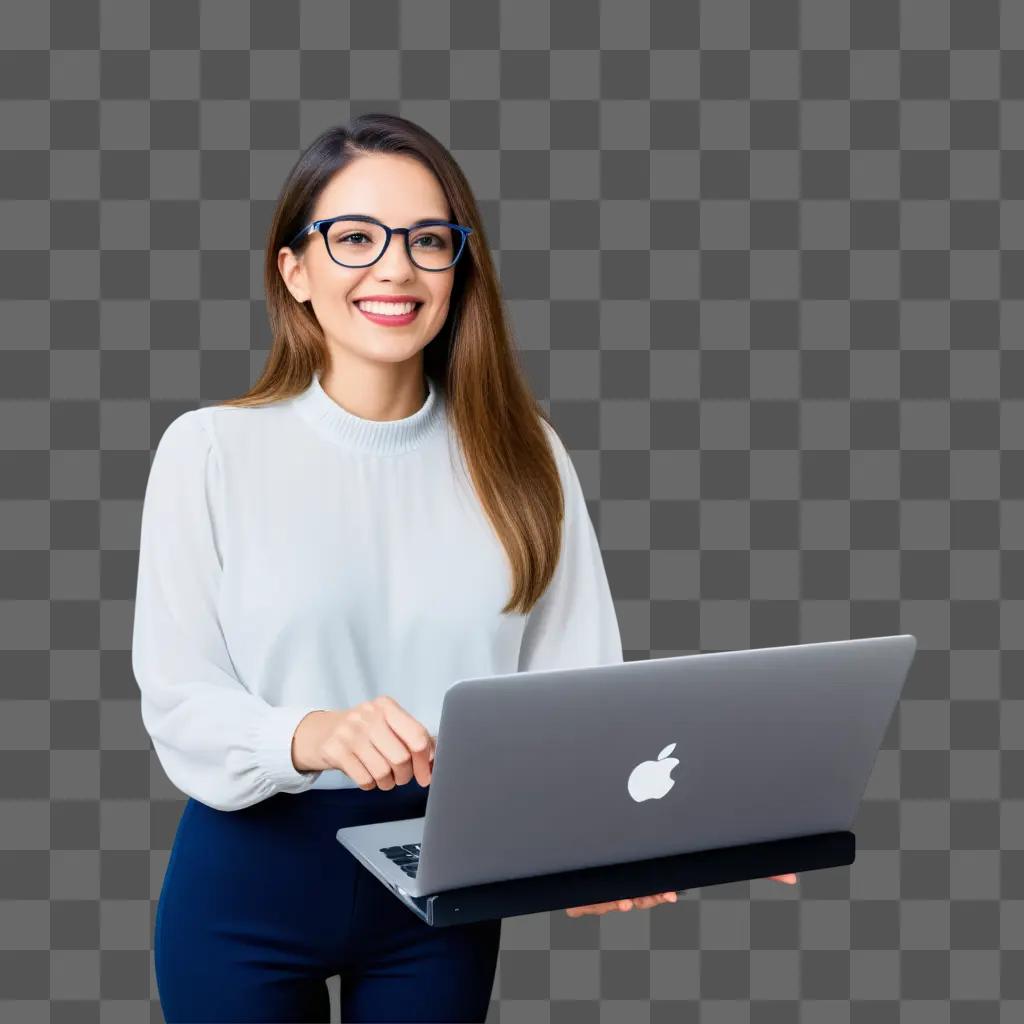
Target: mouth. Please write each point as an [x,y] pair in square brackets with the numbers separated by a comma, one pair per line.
[389,314]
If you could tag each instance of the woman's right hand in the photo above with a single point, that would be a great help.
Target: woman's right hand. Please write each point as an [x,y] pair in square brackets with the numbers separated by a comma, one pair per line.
[376,743]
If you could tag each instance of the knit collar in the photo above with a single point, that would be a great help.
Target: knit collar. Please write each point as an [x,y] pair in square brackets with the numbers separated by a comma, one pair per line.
[383,437]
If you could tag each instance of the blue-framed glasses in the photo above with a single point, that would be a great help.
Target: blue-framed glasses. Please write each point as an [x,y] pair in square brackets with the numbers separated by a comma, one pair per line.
[357,240]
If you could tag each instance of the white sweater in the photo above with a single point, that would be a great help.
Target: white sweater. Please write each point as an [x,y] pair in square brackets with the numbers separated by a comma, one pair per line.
[297,557]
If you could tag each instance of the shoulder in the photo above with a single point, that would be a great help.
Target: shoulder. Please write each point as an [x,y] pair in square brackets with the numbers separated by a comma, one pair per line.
[234,427]
[184,448]
[199,436]
[185,432]
[206,427]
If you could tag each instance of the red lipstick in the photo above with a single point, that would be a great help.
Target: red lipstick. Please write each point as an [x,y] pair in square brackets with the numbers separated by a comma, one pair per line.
[389,319]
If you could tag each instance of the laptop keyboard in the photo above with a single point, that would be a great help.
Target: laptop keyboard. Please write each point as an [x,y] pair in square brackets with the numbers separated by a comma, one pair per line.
[407,857]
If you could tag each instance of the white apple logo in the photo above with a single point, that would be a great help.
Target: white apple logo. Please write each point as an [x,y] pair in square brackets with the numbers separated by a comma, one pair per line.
[651,780]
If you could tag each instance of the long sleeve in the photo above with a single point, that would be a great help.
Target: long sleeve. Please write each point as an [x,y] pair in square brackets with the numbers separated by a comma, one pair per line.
[217,741]
[573,625]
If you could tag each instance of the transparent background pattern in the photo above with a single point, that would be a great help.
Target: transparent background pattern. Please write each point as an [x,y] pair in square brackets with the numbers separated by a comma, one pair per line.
[765,262]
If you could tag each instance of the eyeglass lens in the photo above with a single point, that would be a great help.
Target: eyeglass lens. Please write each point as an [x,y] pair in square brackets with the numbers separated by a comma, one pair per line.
[357,243]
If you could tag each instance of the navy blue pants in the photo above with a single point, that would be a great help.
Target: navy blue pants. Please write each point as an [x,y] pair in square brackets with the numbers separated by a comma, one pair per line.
[260,906]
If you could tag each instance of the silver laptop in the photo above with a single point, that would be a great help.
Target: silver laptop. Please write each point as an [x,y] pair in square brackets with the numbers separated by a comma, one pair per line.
[551,771]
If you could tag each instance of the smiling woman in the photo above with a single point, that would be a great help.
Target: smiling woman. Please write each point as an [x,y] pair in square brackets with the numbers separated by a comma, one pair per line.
[387,510]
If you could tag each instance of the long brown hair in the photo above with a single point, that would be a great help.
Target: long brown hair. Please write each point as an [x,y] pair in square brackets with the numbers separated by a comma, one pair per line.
[498,422]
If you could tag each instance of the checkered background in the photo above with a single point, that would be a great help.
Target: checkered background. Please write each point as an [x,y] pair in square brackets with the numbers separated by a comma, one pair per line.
[765,262]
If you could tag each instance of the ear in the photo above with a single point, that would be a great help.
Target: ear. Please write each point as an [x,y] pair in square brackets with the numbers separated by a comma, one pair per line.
[293,273]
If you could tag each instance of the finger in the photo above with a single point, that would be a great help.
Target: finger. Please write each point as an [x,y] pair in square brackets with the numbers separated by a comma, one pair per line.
[638,902]
[592,908]
[603,908]
[376,764]
[354,768]
[393,750]
[357,757]
[414,739]
[423,761]
[789,879]
[399,760]
[653,900]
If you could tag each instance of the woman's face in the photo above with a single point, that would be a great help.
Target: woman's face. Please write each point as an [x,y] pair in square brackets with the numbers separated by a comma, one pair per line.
[399,191]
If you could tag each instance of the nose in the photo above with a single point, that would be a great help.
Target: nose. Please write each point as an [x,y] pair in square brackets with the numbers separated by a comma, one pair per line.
[395,264]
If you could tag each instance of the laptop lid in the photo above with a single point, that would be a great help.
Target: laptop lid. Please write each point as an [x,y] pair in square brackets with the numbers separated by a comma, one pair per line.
[538,772]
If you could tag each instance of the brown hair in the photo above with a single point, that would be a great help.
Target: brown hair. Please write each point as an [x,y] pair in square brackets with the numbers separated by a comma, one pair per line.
[498,422]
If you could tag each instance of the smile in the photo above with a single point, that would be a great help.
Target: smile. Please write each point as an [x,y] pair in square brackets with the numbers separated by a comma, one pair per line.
[390,314]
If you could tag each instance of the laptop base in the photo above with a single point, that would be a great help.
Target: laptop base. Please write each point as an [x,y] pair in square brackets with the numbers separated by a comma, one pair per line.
[563,889]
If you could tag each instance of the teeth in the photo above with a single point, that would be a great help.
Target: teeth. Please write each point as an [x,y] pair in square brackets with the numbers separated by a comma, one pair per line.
[387,308]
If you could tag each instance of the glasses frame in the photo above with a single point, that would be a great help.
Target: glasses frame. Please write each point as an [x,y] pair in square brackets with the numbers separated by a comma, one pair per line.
[324,224]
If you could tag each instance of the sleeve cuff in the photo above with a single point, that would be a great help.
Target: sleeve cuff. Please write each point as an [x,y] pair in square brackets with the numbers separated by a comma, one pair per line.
[273,748]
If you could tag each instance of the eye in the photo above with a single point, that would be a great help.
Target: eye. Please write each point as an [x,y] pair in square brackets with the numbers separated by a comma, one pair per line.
[353,234]
[435,238]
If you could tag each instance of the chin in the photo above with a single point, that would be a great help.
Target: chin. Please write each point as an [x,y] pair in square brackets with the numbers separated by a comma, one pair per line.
[398,350]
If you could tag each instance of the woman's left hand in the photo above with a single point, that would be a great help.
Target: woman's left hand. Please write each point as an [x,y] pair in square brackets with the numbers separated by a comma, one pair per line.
[642,902]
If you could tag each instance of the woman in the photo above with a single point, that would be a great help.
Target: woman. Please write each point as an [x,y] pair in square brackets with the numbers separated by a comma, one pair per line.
[379,517]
